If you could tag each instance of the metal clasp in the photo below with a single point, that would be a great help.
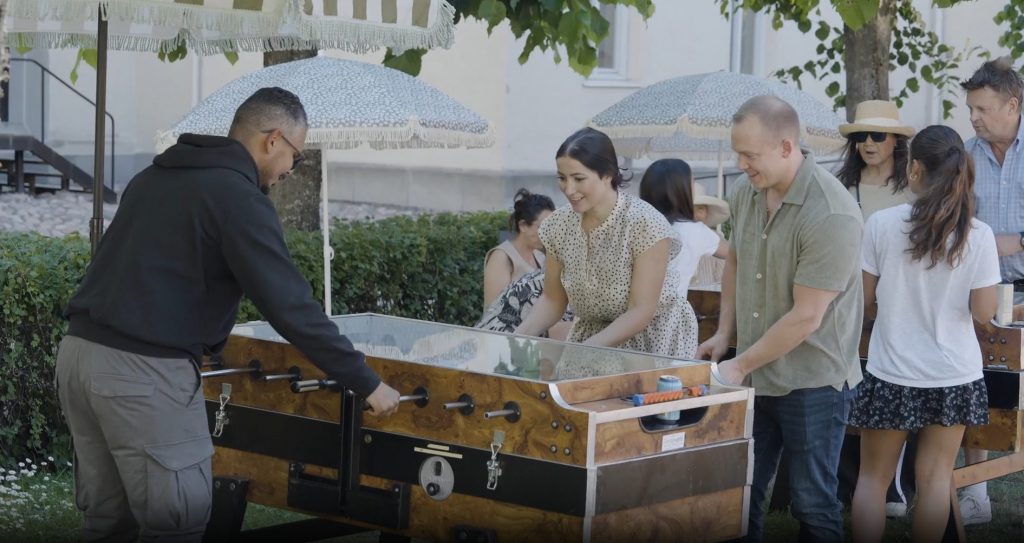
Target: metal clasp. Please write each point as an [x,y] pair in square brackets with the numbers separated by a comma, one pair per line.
[220,418]
[493,465]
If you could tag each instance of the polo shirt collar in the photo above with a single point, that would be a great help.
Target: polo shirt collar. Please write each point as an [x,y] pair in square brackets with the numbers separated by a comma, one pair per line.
[797,192]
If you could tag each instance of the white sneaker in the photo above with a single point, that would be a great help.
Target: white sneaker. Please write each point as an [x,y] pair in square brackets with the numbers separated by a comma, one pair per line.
[975,511]
[895,509]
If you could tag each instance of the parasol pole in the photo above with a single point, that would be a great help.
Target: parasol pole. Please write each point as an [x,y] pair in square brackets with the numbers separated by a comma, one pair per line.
[720,184]
[325,223]
[96,224]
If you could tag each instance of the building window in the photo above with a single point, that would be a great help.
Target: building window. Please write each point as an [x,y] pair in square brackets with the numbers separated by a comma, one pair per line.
[612,51]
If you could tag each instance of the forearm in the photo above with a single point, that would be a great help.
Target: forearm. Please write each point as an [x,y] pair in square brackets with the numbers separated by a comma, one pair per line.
[1008,244]
[727,302]
[545,313]
[783,336]
[625,326]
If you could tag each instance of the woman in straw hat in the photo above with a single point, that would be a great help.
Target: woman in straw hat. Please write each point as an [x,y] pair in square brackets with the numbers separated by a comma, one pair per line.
[875,170]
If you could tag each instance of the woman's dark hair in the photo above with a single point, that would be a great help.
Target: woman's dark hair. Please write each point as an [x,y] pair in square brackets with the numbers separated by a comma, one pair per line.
[594,149]
[853,163]
[668,186]
[527,206]
[941,217]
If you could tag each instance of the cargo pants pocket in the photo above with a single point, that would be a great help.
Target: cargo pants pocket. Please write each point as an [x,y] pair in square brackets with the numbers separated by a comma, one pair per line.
[179,485]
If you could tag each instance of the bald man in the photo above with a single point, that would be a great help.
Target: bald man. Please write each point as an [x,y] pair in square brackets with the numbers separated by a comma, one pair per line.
[193,232]
[792,301]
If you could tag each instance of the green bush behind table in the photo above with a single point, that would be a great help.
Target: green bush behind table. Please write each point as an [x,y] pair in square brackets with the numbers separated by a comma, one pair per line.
[428,268]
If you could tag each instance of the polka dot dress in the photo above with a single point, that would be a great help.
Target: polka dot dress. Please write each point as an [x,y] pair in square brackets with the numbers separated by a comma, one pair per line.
[597,270]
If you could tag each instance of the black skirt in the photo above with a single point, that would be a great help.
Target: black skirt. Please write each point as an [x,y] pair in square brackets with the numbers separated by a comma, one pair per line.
[882,405]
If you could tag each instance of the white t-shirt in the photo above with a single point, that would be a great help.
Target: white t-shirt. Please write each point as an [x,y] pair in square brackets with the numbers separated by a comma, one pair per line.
[698,240]
[924,333]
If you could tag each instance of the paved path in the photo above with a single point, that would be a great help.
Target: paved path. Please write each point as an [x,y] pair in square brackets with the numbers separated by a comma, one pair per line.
[66,212]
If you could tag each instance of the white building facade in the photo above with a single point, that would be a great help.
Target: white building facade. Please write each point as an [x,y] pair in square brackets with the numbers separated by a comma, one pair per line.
[532,106]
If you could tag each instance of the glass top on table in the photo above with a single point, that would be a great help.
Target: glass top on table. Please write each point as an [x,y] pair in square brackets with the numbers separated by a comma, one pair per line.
[478,351]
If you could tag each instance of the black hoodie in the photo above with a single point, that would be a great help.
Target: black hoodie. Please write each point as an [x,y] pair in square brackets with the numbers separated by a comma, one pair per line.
[191,234]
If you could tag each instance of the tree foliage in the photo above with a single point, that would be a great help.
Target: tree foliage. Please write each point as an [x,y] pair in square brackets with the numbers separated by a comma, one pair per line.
[569,28]
[912,47]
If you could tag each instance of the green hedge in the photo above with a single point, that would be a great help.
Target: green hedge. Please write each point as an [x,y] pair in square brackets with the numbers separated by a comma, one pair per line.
[427,268]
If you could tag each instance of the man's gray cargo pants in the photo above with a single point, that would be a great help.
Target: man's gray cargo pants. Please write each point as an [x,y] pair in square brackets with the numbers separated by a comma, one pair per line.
[142,445]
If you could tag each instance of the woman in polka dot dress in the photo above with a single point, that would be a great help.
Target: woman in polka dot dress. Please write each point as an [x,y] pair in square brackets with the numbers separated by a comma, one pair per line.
[607,256]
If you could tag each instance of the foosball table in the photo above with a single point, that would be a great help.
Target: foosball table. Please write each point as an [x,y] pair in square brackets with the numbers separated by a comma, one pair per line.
[497,438]
[1002,350]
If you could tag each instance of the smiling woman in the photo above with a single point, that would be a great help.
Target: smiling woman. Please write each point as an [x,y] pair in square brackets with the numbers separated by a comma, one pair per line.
[607,256]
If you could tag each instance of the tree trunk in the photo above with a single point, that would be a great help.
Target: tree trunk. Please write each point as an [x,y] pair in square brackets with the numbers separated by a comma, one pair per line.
[297,198]
[866,55]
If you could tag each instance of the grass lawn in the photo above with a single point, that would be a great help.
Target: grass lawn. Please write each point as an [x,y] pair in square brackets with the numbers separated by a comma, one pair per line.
[37,505]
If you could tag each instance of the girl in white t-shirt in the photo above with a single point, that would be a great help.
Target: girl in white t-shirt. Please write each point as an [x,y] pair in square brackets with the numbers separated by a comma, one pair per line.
[932,270]
[668,186]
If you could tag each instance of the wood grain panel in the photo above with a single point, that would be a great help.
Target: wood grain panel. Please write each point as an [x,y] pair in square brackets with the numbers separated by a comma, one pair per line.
[428,518]
[717,516]
[275,395]
[1004,431]
[534,435]
[705,304]
[627,439]
[1000,345]
[434,520]
[620,386]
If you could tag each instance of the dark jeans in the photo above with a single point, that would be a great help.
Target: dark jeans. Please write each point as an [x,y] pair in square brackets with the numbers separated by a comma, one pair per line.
[809,424]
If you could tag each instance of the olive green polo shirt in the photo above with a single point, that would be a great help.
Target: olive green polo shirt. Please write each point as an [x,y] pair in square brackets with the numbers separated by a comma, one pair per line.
[813,240]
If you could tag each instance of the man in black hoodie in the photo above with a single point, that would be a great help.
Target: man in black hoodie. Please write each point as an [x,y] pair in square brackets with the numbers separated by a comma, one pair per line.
[193,232]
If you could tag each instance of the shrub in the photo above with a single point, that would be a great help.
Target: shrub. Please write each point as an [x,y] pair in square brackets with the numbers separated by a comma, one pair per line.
[428,268]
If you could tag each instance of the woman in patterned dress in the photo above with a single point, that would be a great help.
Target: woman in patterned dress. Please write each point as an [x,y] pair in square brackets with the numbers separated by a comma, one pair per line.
[607,256]
[924,362]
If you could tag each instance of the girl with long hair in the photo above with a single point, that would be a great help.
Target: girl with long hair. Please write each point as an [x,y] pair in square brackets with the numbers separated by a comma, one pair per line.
[668,186]
[931,268]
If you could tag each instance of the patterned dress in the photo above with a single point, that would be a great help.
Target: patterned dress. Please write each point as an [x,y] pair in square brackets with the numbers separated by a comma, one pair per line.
[597,271]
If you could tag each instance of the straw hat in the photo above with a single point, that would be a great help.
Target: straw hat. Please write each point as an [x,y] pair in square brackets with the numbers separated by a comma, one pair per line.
[876,116]
[718,209]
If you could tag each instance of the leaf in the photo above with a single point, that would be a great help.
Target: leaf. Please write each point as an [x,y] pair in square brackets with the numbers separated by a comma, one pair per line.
[231,56]
[491,11]
[912,84]
[84,55]
[832,89]
[856,13]
[410,61]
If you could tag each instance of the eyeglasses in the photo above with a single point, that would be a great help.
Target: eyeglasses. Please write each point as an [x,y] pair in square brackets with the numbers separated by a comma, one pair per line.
[298,157]
[861,137]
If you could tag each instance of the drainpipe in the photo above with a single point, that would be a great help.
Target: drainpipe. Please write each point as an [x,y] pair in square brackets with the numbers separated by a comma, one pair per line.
[197,80]
[934,96]
[735,36]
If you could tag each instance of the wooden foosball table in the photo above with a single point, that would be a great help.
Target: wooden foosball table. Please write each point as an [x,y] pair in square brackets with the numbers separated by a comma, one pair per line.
[1002,349]
[498,438]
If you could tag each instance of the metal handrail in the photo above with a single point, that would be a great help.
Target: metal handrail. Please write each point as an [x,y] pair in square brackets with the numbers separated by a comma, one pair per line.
[42,85]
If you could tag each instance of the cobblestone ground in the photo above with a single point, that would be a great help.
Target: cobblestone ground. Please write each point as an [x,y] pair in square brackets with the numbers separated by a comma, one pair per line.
[63,213]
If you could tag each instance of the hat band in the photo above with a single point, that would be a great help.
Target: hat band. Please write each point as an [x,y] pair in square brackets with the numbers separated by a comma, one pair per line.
[880,121]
